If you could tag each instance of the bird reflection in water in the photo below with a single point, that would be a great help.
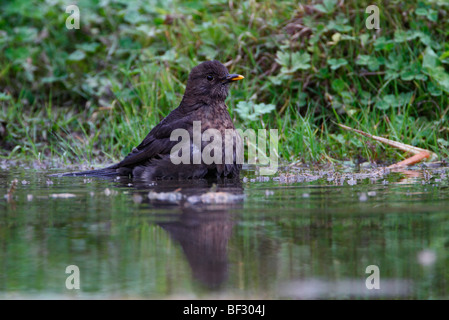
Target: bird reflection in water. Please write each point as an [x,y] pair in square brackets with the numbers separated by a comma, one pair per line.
[205,225]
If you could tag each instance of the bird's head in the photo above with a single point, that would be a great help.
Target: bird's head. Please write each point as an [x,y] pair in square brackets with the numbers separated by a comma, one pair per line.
[209,82]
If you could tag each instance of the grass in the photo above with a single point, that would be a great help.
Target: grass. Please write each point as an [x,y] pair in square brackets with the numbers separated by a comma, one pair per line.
[93,94]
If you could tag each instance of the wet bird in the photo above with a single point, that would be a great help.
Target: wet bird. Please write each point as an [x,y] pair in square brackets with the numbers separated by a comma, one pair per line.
[204,100]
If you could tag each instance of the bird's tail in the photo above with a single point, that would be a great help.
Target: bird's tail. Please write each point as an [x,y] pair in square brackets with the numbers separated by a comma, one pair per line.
[105,172]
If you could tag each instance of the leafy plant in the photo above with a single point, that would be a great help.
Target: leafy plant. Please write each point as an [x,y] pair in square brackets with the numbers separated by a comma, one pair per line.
[432,66]
[292,62]
[328,6]
[127,66]
[337,63]
[249,111]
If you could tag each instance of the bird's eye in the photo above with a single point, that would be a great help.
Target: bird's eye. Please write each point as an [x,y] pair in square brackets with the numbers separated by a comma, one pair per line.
[210,78]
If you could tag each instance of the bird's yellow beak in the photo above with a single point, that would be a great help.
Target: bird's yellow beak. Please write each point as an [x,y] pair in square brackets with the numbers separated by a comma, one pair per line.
[234,77]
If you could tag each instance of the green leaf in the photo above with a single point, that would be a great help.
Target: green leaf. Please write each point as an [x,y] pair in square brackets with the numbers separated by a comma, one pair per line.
[340,27]
[336,104]
[412,72]
[292,62]
[25,34]
[421,77]
[347,37]
[249,111]
[430,14]
[300,61]
[209,52]
[88,47]
[347,97]
[372,63]
[365,98]
[337,63]
[364,39]
[404,98]
[4,96]
[328,6]
[403,36]
[338,85]
[421,12]
[283,58]
[391,100]
[323,73]
[262,108]
[443,142]
[148,31]
[394,101]
[382,105]
[394,62]
[382,43]
[134,17]
[391,75]
[363,60]
[302,99]
[433,15]
[444,55]
[427,40]
[408,75]
[432,68]
[400,36]
[53,79]
[169,56]
[434,90]
[340,138]
[440,76]
[17,55]
[430,59]
[320,8]
[77,55]
[276,80]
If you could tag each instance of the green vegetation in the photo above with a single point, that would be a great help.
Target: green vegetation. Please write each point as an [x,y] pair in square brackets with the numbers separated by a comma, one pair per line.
[92,94]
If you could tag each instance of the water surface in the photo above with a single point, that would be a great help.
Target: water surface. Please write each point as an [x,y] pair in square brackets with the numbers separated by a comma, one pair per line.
[304,234]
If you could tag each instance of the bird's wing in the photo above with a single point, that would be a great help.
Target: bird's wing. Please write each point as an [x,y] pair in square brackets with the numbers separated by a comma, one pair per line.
[157,141]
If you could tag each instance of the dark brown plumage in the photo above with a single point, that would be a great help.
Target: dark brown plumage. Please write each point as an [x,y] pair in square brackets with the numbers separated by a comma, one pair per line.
[203,100]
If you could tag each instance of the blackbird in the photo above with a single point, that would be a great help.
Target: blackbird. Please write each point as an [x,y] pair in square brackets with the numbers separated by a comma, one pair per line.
[204,101]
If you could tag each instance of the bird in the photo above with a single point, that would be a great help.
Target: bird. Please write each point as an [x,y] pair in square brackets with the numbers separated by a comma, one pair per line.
[204,100]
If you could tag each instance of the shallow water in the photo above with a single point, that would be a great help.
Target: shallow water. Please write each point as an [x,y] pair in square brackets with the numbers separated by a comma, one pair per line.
[305,234]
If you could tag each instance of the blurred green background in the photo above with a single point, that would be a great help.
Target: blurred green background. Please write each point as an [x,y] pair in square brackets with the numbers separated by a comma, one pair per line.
[91,94]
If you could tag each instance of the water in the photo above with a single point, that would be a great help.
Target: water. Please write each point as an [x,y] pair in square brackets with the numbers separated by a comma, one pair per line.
[306,234]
